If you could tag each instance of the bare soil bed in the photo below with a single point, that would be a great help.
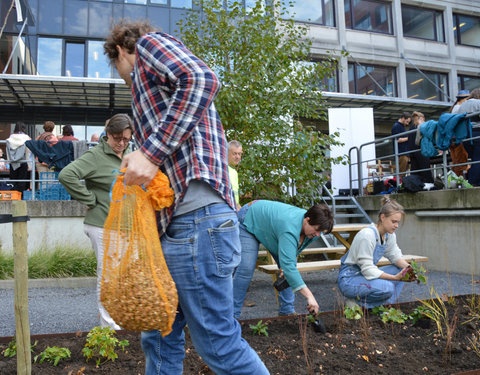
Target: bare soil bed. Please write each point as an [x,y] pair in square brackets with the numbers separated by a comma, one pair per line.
[365,346]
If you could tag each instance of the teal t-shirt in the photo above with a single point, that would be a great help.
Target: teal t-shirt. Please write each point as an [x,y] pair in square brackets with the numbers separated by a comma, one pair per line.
[278,226]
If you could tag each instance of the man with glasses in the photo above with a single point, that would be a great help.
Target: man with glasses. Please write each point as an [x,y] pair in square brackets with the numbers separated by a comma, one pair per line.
[178,131]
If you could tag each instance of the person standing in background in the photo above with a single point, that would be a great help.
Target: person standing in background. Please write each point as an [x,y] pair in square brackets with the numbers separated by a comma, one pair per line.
[67,133]
[400,127]
[417,160]
[16,151]
[234,157]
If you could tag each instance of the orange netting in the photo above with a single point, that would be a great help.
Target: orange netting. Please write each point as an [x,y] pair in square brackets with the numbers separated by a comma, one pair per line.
[137,289]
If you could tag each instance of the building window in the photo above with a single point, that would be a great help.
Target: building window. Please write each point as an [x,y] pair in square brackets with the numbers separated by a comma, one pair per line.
[49,61]
[423,23]
[181,4]
[369,15]
[426,86]
[468,82]
[315,11]
[328,83]
[372,80]
[97,62]
[74,59]
[466,30]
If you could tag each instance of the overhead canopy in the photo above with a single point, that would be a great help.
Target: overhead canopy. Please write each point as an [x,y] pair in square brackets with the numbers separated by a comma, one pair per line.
[386,109]
[71,96]
[25,91]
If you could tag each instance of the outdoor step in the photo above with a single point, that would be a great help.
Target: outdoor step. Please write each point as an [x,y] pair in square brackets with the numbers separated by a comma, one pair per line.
[338,215]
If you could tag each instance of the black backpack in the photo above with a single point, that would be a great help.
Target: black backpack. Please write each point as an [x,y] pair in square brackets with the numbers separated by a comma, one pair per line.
[412,183]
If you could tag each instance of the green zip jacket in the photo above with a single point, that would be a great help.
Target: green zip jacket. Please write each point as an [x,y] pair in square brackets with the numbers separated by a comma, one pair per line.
[95,167]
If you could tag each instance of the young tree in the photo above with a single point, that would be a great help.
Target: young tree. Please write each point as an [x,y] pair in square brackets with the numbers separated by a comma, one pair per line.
[269,89]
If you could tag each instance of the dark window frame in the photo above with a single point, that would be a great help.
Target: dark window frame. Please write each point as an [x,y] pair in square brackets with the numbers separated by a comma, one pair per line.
[324,16]
[435,13]
[442,94]
[456,23]
[389,17]
[356,78]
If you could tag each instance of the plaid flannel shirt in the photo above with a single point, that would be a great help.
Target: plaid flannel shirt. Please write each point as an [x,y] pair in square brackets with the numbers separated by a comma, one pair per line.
[176,124]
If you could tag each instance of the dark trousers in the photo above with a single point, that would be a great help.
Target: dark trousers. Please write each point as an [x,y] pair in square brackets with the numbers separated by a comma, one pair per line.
[418,161]
[473,149]
[21,173]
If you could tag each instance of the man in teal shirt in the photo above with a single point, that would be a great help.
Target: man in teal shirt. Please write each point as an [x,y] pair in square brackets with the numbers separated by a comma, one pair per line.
[285,231]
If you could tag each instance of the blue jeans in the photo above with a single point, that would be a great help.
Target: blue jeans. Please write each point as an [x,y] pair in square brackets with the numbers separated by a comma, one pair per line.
[371,293]
[201,256]
[244,273]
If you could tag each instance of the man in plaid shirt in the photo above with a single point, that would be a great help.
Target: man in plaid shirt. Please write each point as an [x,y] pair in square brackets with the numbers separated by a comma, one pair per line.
[178,130]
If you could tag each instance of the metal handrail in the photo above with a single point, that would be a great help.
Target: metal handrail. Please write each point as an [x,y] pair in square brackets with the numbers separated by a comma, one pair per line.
[392,138]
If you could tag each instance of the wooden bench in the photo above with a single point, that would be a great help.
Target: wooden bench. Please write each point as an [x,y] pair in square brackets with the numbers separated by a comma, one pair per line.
[272,269]
[314,250]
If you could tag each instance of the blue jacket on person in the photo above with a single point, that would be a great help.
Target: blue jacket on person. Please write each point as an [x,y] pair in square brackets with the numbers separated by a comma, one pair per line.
[452,125]
[57,155]
[427,130]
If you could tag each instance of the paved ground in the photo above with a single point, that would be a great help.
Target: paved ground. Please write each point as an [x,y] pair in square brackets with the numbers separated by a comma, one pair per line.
[56,309]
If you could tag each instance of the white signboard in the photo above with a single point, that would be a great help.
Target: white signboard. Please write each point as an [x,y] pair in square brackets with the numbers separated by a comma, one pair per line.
[355,126]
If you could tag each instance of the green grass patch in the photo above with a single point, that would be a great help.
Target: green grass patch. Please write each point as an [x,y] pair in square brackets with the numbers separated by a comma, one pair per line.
[53,263]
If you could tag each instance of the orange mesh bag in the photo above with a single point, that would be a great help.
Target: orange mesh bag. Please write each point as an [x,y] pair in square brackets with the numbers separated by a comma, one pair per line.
[137,289]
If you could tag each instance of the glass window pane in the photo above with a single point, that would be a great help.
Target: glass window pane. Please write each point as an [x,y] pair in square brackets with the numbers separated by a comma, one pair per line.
[417,23]
[368,15]
[181,4]
[135,12]
[160,18]
[469,28]
[307,11]
[418,87]
[468,82]
[162,2]
[98,66]
[76,17]
[135,1]
[49,57]
[372,80]
[100,17]
[50,15]
[74,59]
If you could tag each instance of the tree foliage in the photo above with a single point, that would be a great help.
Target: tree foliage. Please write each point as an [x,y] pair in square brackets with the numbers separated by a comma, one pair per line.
[269,92]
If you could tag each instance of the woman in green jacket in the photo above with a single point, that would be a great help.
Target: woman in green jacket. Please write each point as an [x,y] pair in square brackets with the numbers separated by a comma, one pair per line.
[95,167]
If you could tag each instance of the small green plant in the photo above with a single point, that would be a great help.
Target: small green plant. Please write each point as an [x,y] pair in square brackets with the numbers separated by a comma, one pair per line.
[11,350]
[354,312]
[419,271]
[311,318]
[378,310]
[101,343]
[394,315]
[53,355]
[260,328]
[420,312]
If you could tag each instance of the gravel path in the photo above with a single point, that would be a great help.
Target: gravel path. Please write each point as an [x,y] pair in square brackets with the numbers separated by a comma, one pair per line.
[59,310]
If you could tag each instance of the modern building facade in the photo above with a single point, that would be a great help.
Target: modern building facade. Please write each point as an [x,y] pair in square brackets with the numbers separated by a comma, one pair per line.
[402,54]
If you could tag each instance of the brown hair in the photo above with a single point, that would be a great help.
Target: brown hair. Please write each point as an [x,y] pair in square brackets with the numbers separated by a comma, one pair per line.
[320,214]
[67,130]
[390,207]
[416,115]
[475,93]
[118,123]
[48,126]
[125,34]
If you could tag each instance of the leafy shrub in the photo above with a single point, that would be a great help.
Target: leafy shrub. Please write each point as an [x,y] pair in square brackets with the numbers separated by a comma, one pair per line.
[101,343]
[53,355]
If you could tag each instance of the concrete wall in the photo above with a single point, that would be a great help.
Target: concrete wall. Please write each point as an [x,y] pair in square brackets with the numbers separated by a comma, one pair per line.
[443,225]
[51,223]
